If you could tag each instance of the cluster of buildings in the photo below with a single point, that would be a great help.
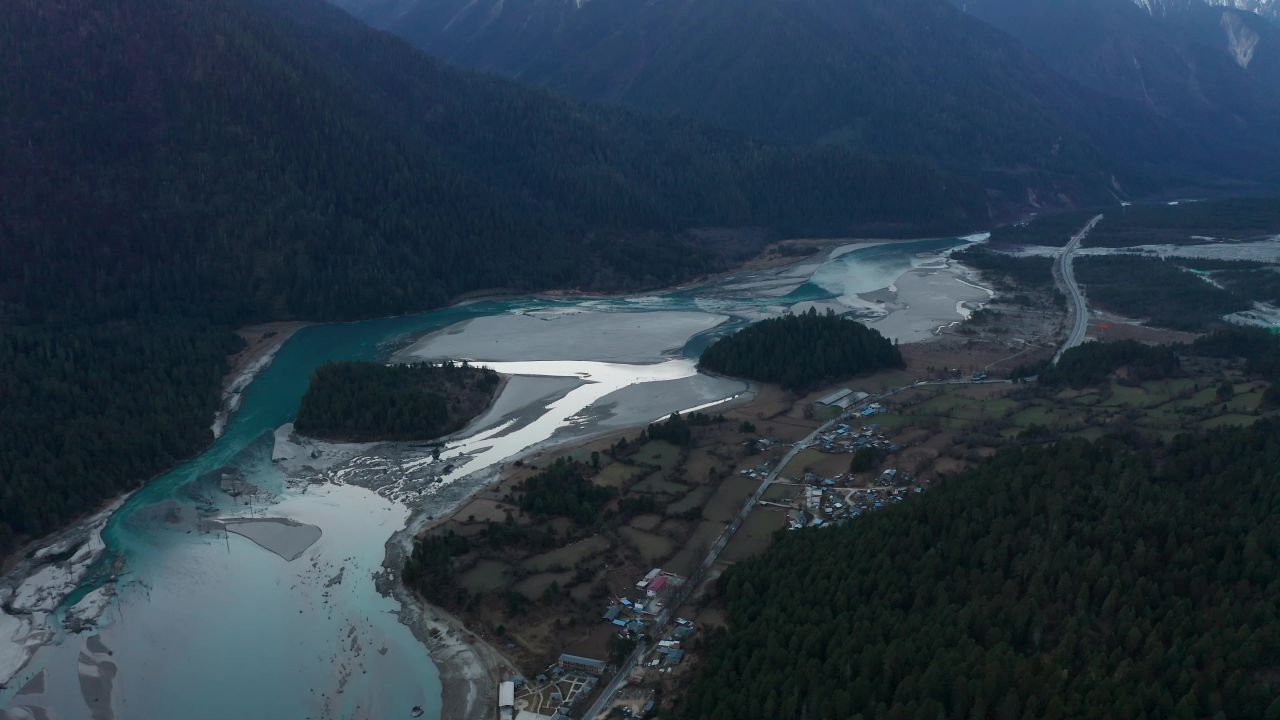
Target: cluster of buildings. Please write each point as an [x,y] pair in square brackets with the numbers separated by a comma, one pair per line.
[843,438]
[830,501]
[666,654]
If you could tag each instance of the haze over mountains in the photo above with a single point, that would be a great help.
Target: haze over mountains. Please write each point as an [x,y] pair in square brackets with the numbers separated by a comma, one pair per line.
[916,78]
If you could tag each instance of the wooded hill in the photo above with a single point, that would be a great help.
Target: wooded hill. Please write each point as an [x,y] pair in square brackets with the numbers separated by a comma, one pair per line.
[802,351]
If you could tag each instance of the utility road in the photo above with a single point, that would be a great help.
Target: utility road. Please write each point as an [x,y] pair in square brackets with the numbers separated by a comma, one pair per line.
[1064,273]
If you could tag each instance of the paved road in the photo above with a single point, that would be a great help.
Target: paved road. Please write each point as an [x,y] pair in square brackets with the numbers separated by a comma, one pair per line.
[1064,272]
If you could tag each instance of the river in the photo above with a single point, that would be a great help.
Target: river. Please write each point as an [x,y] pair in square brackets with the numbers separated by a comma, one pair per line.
[207,624]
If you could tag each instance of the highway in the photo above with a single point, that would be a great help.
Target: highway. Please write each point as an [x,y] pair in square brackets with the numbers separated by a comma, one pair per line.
[1065,275]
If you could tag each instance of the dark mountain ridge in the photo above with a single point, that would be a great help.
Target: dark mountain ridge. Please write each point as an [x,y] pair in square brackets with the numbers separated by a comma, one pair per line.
[916,78]
[866,74]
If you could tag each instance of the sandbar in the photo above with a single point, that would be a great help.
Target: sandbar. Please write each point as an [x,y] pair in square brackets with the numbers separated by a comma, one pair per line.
[638,337]
[282,536]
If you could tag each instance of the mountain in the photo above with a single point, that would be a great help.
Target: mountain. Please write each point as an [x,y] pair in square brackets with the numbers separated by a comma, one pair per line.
[910,77]
[915,77]
[175,168]
[1211,74]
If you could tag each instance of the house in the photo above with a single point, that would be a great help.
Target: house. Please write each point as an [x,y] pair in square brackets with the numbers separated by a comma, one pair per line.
[656,586]
[674,657]
[506,700]
[644,583]
[612,613]
[586,664]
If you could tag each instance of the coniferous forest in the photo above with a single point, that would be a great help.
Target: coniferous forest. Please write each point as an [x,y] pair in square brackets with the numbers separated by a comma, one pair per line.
[174,169]
[1070,581]
[801,351]
[363,401]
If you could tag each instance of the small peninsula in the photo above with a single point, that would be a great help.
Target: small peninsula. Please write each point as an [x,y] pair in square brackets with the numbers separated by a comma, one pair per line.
[365,401]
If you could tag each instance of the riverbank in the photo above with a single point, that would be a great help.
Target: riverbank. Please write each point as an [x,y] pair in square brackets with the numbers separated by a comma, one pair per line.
[40,580]
[262,342]
[469,668]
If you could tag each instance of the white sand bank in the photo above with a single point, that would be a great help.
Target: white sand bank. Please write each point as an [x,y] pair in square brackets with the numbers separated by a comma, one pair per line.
[599,336]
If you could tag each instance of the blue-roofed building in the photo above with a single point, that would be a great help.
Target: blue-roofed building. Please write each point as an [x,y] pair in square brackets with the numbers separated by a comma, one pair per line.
[612,613]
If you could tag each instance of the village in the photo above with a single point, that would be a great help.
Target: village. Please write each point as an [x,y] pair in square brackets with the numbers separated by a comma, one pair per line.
[644,618]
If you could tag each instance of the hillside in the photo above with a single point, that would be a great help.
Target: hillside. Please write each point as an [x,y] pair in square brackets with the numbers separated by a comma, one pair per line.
[174,168]
[905,78]
[918,78]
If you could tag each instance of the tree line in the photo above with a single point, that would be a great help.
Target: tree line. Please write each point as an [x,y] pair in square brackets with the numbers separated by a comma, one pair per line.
[362,401]
[1076,580]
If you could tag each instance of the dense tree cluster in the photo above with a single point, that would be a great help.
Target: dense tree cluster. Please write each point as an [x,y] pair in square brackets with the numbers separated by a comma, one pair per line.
[1009,271]
[88,411]
[801,351]
[1258,347]
[1131,225]
[362,401]
[1187,223]
[562,489]
[429,568]
[1093,362]
[1155,289]
[1070,581]
[678,429]
[173,169]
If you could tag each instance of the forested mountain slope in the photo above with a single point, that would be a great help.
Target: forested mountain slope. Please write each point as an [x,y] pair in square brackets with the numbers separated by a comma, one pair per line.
[906,77]
[1071,581]
[172,168]
[915,77]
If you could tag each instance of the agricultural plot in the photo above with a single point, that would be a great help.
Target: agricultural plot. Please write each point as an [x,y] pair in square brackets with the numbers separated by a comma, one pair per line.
[652,547]
[486,576]
[756,534]
[567,556]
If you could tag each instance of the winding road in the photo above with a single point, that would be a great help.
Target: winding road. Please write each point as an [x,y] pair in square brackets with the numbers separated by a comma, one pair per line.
[1064,274]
